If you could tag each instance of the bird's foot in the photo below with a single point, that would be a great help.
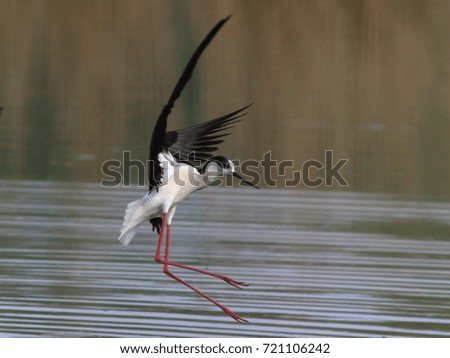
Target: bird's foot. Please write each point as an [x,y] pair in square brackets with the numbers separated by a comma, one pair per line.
[233,282]
[234,315]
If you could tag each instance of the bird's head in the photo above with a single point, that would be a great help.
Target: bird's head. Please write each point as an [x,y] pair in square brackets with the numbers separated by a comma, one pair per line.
[219,166]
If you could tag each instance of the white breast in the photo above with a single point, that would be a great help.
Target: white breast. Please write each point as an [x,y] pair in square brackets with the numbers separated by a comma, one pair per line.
[183,181]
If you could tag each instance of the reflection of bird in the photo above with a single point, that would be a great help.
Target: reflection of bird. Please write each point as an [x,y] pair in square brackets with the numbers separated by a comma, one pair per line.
[172,177]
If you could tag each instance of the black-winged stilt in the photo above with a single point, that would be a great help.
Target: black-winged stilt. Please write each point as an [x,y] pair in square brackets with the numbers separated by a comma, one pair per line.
[172,177]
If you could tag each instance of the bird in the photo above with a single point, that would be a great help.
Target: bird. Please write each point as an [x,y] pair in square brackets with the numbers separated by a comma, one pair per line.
[180,163]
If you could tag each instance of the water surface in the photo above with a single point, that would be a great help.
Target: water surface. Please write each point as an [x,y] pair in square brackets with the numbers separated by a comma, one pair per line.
[318,264]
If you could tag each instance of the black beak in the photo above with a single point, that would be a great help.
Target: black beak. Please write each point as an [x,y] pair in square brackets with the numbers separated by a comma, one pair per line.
[236,175]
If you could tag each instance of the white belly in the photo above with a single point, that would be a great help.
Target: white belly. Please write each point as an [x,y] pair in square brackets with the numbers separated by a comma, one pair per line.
[183,181]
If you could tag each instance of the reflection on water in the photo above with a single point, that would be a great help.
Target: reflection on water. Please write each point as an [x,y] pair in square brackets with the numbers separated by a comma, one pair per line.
[318,264]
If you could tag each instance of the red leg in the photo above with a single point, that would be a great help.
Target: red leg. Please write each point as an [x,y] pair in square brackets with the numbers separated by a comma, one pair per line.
[227,279]
[160,240]
[170,274]
[158,259]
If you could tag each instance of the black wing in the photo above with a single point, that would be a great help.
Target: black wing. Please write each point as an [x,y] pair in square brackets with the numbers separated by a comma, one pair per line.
[196,143]
[157,142]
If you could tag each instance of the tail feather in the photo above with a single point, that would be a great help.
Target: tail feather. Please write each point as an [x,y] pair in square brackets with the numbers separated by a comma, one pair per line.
[134,217]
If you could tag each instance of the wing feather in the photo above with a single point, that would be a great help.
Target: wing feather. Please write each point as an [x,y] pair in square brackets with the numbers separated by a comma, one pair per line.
[197,143]
[157,141]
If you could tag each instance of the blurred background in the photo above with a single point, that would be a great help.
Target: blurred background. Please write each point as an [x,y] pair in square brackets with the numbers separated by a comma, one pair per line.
[81,81]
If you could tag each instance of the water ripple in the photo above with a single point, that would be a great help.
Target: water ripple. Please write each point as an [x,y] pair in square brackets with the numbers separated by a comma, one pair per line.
[318,264]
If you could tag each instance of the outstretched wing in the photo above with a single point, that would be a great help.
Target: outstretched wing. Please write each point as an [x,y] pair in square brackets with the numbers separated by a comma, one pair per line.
[197,143]
[157,142]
